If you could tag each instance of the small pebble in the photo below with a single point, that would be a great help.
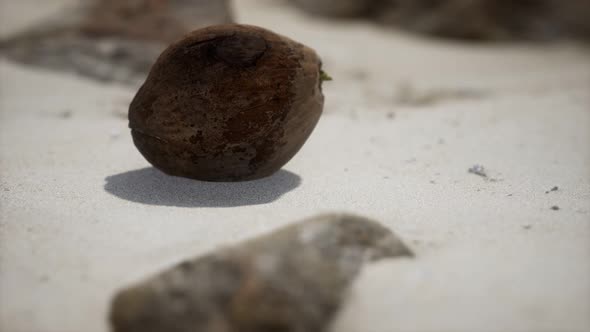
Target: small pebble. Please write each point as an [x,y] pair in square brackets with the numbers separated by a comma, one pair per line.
[555,208]
[552,189]
[478,170]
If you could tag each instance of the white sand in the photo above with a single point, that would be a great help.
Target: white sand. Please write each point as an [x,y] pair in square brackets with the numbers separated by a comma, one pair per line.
[82,214]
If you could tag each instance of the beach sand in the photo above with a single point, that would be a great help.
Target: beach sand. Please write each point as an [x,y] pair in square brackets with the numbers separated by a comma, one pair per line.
[82,214]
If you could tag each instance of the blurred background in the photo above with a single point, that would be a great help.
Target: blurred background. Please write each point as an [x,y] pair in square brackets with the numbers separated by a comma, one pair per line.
[118,40]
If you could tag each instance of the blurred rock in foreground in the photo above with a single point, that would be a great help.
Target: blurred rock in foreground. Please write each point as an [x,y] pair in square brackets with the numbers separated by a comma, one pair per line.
[293,279]
[470,19]
[112,40]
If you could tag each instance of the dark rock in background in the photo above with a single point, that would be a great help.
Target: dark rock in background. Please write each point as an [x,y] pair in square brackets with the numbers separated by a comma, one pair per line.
[293,279]
[112,40]
[161,20]
[491,19]
[471,19]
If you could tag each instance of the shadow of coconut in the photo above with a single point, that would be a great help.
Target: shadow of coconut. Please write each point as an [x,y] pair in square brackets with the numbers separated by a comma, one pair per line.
[153,187]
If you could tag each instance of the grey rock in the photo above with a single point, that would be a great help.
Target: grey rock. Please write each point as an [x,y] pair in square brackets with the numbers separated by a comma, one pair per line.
[293,279]
[539,20]
[478,170]
[112,40]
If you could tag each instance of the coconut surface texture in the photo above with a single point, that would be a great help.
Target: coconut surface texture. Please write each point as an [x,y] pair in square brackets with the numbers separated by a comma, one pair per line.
[227,103]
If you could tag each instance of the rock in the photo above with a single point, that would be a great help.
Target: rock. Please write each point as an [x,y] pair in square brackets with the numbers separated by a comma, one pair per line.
[293,279]
[112,40]
[470,19]
[491,19]
[228,103]
[478,170]
[155,20]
